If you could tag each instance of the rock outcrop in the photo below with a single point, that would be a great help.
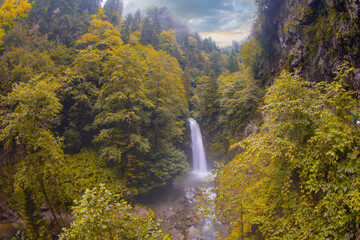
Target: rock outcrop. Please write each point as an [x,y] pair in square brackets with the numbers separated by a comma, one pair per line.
[312,36]
[6,213]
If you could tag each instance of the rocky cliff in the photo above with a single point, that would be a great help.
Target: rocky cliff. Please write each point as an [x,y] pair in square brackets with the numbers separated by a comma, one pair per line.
[313,36]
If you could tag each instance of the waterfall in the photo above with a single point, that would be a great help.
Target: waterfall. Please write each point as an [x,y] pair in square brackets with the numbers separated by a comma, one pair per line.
[198,153]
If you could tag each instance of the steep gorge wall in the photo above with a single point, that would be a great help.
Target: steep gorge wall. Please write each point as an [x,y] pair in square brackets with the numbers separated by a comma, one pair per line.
[313,36]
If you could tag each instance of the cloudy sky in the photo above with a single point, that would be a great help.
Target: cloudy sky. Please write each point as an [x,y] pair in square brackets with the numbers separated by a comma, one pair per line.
[223,20]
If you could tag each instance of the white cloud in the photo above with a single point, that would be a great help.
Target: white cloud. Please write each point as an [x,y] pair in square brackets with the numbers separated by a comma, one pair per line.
[224,39]
[218,17]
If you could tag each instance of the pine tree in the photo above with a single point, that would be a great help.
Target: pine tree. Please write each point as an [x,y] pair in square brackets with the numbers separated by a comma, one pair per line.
[113,10]
[233,64]
[126,29]
[146,32]
[136,21]
[156,31]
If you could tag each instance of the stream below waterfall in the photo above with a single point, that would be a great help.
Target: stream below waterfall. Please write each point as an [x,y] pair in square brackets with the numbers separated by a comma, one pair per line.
[175,205]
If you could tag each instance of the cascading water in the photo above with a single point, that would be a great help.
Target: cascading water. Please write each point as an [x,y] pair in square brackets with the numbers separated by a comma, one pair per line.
[198,153]
[207,223]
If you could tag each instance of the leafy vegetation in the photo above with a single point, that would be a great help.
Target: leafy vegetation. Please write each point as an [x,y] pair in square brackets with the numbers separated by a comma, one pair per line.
[296,178]
[10,11]
[101,214]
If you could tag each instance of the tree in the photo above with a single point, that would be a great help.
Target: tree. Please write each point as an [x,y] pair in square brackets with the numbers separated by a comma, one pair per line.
[91,5]
[122,108]
[216,64]
[207,91]
[165,129]
[168,40]
[86,170]
[250,51]
[82,81]
[236,46]
[63,21]
[117,94]
[239,99]
[101,35]
[23,63]
[11,10]
[31,111]
[135,25]
[34,224]
[102,215]
[233,64]
[126,29]
[156,31]
[114,10]
[146,32]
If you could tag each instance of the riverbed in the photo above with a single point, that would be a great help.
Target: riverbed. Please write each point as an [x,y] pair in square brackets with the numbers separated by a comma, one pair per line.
[174,205]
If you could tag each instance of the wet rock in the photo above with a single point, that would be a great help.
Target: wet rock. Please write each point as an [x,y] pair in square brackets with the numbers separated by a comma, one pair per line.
[6,213]
[178,226]
[142,211]
[176,234]
[44,207]
[129,196]
[193,232]
[189,223]
[176,211]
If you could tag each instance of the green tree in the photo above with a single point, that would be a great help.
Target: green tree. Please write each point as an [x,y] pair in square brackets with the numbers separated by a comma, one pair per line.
[23,63]
[82,81]
[86,170]
[146,32]
[126,29]
[207,91]
[102,215]
[233,64]
[34,224]
[168,40]
[114,9]
[135,25]
[156,31]
[122,108]
[165,130]
[63,21]
[31,111]
[239,99]
[216,64]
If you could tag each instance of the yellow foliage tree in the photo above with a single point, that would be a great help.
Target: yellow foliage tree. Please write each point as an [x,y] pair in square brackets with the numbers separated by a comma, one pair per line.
[11,10]
[168,40]
[251,51]
[101,33]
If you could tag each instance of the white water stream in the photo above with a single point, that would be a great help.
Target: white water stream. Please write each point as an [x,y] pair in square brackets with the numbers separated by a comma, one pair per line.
[201,172]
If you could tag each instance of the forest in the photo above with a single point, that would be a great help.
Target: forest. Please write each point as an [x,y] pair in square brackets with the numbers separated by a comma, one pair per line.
[94,108]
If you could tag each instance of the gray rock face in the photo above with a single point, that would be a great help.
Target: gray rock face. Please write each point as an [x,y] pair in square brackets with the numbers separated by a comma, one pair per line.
[193,232]
[7,214]
[314,36]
